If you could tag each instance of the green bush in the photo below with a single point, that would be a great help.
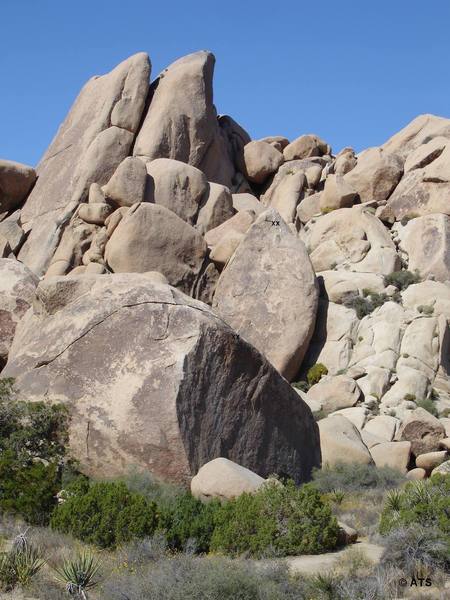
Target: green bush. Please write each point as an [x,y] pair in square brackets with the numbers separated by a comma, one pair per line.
[425,503]
[277,520]
[32,455]
[366,304]
[429,405]
[356,478]
[402,279]
[189,521]
[315,373]
[105,514]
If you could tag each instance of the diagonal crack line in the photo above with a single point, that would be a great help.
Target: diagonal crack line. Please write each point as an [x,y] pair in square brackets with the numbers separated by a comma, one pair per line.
[44,363]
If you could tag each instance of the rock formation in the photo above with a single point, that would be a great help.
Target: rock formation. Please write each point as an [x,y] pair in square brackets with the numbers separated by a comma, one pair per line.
[187,273]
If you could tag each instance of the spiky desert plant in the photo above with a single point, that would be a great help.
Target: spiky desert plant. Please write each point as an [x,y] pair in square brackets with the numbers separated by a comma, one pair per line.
[79,574]
[27,561]
[19,565]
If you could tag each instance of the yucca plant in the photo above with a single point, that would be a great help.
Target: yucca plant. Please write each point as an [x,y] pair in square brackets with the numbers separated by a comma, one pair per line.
[394,500]
[79,574]
[27,562]
[337,496]
[20,565]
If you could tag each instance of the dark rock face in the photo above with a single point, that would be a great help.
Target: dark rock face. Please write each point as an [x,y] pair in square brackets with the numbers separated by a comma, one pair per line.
[155,379]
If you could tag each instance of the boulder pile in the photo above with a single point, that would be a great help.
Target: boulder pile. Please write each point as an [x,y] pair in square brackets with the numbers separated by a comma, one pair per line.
[169,278]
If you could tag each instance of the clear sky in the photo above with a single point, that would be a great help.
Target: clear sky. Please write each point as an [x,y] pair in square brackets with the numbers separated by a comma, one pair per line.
[352,71]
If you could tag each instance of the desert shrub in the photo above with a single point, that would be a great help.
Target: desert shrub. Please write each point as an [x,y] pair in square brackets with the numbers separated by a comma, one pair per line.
[139,552]
[429,405]
[189,522]
[277,520]
[356,477]
[105,514]
[32,455]
[410,547]
[315,373]
[425,309]
[402,279]
[420,503]
[366,304]
[214,578]
[142,482]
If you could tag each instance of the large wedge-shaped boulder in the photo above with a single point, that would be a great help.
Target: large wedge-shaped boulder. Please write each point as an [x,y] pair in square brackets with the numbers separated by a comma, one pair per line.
[17,286]
[268,293]
[95,137]
[155,379]
[181,121]
[153,238]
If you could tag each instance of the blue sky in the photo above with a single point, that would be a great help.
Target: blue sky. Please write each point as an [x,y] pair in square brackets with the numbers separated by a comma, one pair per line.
[353,72]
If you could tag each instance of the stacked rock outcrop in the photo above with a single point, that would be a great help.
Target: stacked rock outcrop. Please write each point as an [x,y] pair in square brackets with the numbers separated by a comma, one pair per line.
[188,273]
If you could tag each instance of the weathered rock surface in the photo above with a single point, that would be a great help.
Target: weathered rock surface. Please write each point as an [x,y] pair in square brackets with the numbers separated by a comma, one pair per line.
[12,232]
[288,187]
[306,146]
[272,305]
[155,379]
[423,430]
[127,186]
[416,474]
[337,193]
[181,188]
[153,238]
[223,479]
[383,426]
[247,201]
[426,241]
[17,286]
[415,197]
[261,160]
[395,455]
[341,442]
[217,209]
[431,460]
[181,122]
[16,180]
[95,137]
[376,174]
[421,130]
[335,392]
[239,223]
[351,239]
